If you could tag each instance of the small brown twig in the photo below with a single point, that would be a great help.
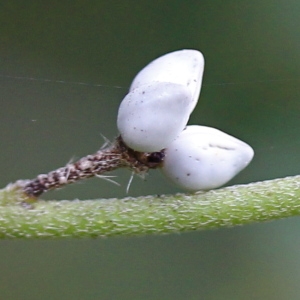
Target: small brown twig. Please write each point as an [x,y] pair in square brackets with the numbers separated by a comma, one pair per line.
[117,155]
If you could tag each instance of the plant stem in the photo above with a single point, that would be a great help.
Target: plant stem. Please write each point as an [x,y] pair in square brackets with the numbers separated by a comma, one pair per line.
[235,205]
[117,155]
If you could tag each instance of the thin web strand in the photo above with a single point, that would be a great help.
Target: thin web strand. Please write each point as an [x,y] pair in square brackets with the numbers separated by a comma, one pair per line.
[122,87]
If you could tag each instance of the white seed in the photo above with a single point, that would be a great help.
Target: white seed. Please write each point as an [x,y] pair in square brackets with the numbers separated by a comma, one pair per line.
[151,116]
[182,67]
[204,158]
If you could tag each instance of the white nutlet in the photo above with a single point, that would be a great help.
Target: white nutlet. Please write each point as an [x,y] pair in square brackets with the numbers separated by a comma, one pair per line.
[183,67]
[203,158]
[151,116]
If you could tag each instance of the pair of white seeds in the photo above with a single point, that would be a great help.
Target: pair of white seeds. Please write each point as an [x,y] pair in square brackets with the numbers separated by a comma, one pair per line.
[154,115]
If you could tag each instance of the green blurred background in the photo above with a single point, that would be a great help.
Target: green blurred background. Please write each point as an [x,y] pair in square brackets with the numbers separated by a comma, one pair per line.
[250,90]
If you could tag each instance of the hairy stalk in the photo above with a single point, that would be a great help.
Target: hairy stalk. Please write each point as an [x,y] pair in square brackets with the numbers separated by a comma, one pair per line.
[235,205]
[108,159]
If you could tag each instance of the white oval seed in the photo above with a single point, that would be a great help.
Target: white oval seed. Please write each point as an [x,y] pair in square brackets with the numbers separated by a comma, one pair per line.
[151,116]
[203,158]
[182,67]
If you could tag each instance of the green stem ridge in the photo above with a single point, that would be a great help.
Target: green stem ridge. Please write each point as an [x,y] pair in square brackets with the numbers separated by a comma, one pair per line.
[235,205]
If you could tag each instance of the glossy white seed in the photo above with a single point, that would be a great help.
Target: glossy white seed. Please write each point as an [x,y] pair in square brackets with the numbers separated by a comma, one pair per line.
[203,158]
[182,67]
[151,116]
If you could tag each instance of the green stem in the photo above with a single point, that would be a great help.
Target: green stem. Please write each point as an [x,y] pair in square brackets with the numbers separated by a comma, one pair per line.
[235,205]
